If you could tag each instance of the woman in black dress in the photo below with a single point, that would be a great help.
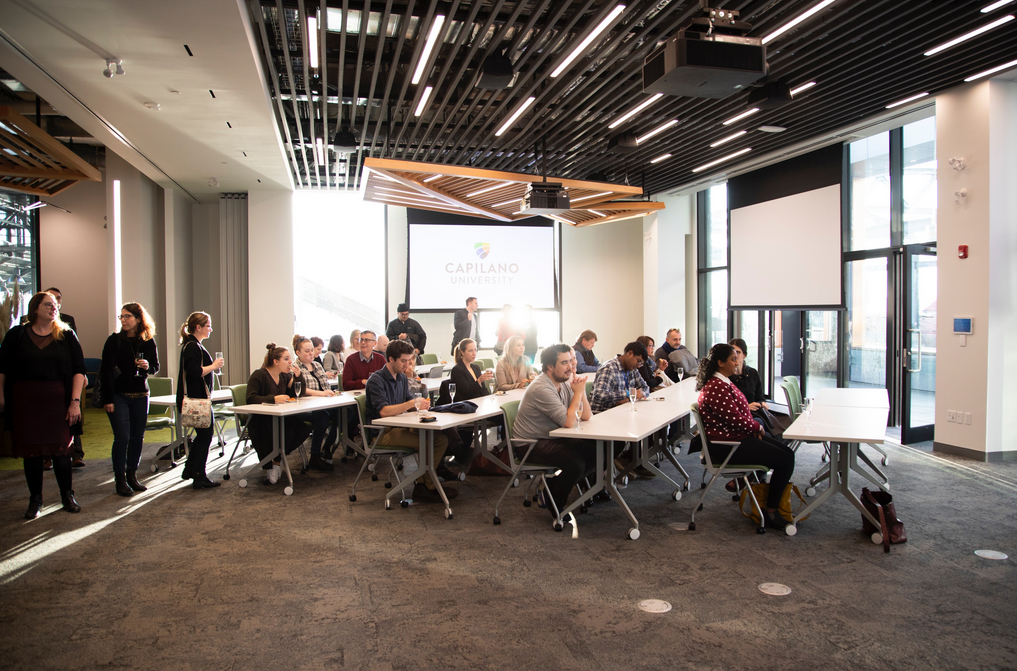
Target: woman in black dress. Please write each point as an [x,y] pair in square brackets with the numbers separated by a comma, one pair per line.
[195,381]
[470,383]
[128,358]
[42,373]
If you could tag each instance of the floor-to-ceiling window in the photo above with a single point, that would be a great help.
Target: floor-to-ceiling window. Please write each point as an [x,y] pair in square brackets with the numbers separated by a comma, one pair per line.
[19,248]
[712,264]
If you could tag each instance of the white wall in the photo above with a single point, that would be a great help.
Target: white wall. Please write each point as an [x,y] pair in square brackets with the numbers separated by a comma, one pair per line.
[178,278]
[270,270]
[666,235]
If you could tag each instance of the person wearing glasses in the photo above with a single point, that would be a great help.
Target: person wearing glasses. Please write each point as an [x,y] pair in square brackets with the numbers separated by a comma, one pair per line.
[42,373]
[195,380]
[128,359]
[359,366]
[410,330]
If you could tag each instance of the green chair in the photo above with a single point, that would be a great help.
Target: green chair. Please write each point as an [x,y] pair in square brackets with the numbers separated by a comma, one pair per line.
[481,364]
[377,452]
[239,392]
[795,392]
[161,417]
[486,363]
[428,358]
[589,390]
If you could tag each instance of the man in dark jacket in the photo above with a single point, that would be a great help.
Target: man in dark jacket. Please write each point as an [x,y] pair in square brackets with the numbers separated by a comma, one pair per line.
[404,328]
[466,324]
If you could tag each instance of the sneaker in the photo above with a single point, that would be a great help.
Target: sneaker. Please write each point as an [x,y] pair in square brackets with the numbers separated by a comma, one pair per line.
[273,474]
[47,464]
[78,462]
[644,472]
[316,463]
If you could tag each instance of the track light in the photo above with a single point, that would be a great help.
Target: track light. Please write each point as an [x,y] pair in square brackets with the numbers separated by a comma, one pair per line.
[113,67]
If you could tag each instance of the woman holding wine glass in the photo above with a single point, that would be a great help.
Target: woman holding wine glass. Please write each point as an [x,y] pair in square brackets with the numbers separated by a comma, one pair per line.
[194,380]
[124,395]
[271,384]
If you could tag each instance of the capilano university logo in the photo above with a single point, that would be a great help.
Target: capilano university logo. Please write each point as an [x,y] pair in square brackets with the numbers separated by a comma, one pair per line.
[482,249]
[481,273]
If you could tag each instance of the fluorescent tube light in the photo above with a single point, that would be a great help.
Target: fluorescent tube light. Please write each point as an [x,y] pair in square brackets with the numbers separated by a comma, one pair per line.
[907,100]
[967,36]
[596,195]
[515,115]
[319,151]
[992,71]
[432,178]
[801,88]
[432,37]
[740,116]
[725,140]
[507,202]
[487,190]
[383,176]
[34,206]
[722,159]
[639,108]
[423,101]
[996,5]
[656,131]
[601,27]
[312,41]
[599,214]
[798,19]
[660,158]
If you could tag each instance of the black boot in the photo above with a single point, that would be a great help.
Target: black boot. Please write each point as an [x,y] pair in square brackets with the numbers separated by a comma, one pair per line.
[123,489]
[201,481]
[186,473]
[34,506]
[132,480]
[70,505]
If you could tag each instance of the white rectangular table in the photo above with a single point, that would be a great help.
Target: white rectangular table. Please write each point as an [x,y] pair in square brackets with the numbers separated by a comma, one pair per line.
[278,412]
[853,398]
[170,401]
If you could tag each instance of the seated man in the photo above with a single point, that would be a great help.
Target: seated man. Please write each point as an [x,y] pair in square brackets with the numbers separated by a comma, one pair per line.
[388,394]
[549,403]
[616,377]
[382,345]
[678,356]
[358,367]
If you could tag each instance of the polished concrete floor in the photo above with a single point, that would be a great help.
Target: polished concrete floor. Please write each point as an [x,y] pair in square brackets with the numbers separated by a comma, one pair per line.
[251,579]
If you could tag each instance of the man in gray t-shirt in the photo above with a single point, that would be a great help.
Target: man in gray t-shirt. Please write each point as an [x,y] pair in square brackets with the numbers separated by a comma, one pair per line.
[551,402]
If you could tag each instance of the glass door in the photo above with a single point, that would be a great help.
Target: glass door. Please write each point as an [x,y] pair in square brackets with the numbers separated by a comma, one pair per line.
[819,352]
[918,336]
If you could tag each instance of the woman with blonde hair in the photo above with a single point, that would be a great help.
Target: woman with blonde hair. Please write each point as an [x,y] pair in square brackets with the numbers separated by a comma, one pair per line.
[513,370]
[194,380]
[128,359]
[42,373]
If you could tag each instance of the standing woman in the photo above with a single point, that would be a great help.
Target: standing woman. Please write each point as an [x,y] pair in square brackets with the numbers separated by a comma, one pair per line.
[334,359]
[42,373]
[133,354]
[194,381]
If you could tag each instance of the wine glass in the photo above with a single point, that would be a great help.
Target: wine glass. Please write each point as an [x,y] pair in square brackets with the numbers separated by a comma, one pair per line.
[579,415]
[298,388]
[218,355]
[138,358]
[452,391]
[418,403]
[680,372]
[633,392]
[807,411]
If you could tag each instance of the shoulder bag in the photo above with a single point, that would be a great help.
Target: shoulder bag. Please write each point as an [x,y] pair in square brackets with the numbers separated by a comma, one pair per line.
[195,413]
[880,505]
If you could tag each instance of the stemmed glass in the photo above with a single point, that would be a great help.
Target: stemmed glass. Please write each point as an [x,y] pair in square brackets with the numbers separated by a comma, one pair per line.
[218,355]
[298,388]
[138,358]
[418,402]
[632,398]
[579,415]
[807,410]
[680,372]
[452,391]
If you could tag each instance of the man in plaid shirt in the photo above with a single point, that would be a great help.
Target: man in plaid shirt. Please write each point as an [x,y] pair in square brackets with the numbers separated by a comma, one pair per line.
[617,376]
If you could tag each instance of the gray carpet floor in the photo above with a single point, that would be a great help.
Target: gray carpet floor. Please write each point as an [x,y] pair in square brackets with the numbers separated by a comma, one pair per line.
[251,579]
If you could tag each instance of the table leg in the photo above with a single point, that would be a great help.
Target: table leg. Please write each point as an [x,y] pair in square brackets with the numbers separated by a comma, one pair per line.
[268,458]
[598,486]
[848,452]
[828,492]
[345,440]
[615,493]
[410,480]
[429,461]
[278,434]
[646,454]
[170,447]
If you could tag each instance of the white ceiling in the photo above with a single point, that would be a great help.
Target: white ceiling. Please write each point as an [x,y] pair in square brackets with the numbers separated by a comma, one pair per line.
[57,48]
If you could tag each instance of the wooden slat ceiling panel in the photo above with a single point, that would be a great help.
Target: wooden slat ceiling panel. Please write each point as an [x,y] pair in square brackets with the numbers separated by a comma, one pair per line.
[863,54]
[31,161]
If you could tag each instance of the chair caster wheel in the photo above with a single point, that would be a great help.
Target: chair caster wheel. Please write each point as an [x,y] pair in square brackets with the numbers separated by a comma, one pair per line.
[735,497]
[583,509]
[558,526]
[515,483]
[685,487]
[634,534]
[497,520]
[791,530]
[343,459]
[154,468]
[370,467]
[226,476]
[288,491]
[877,538]
[388,485]
[404,504]
[303,471]
[374,477]
[761,530]
[677,495]
[448,513]
[810,491]
[692,526]
[886,461]
[242,483]
[353,498]
[702,485]
[399,467]
[700,507]
[527,503]
[822,459]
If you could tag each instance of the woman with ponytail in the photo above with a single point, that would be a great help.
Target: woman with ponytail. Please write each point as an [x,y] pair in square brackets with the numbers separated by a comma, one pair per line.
[194,381]
[271,384]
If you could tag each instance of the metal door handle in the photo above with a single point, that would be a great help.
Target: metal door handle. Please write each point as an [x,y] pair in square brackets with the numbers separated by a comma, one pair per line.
[911,354]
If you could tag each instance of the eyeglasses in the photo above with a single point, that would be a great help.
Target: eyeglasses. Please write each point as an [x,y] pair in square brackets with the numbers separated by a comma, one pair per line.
[122,317]
[368,340]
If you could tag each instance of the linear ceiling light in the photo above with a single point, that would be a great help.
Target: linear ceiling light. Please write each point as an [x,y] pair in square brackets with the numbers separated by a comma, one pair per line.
[601,27]
[992,71]
[319,151]
[596,195]
[432,37]
[661,158]
[599,214]
[507,202]
[725,140]
[996,5]
[423,101]
[488,189]
[515,115]
[801,88]
[907,100]
[408,194]
[967,36]
[722,159]
[312,41]
[740,116]
[432,178]
[636,110]
[656,131]
[798,19]
[382,176]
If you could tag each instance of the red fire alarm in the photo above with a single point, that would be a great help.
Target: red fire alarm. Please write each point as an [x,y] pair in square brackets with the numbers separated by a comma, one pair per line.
[962,252]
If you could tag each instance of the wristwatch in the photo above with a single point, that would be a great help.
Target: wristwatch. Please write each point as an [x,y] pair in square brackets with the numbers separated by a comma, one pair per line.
[76,399]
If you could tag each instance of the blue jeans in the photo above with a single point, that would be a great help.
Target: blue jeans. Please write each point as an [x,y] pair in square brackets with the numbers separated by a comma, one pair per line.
[128,420]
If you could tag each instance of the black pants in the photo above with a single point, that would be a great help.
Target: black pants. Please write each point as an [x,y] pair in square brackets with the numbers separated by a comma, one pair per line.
[323,421]
[767,452]
[577,459]
[295,432]
[197,454]
[33,473]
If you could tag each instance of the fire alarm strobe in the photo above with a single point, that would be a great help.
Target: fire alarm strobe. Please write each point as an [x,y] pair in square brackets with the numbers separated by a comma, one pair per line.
[962,252]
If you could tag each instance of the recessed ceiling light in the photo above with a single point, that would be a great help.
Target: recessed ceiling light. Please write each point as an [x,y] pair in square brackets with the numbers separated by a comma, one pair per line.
[722,159]
[601,27]
[423,101]
[725,140]
[432,37]
[515,115]
[907,100]
[636,110]
[996,5]
[489,189]
[801,88]
[740,116]
[656,131]
[660,158]
[967,36]
[992,71]
[312,41]
[798,19]
[772,129]
[596,195]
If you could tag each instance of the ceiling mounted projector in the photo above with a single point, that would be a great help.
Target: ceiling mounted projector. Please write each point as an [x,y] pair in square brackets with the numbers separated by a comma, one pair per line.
[545,198]
[623,142]
[770,95]
[496,73]
[698,65]
[344,142]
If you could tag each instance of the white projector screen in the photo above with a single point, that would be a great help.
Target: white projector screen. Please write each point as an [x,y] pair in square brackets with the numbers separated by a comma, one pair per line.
[786,252]
[498,264]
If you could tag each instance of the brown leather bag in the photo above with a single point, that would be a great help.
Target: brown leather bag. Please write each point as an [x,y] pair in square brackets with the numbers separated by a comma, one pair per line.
[880,504]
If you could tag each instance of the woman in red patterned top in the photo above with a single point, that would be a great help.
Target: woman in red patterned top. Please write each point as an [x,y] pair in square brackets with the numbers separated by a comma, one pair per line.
[726,416]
